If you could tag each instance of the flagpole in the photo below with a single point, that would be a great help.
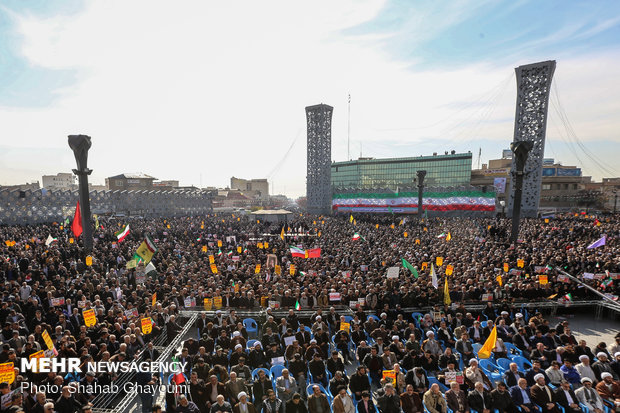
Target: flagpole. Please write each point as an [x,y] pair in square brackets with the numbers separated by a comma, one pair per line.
[578,281]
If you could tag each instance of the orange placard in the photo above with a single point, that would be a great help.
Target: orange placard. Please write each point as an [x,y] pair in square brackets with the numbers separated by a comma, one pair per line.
[204,248]
[154,300]
[219,242]
[291,269]
[439,261]
[389,374]
[89,317]
[542,279]
[48,341]
[278,270]
[147,325]
[449,270]
[89,262]
[239,250]
[213,268]
[520,263]
[208,303]
[257,269]
[217,302]
[506,267]
[211,258]
[424,265]
[405,234]
[345,327]
[7,373]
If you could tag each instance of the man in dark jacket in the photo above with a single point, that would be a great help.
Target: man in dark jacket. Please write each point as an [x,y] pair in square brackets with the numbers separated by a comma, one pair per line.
[501,400]
[479,399]
[565,397]
[389,402]
[359,383]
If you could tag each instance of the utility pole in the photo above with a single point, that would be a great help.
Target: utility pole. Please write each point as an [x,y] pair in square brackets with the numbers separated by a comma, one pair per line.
[349,131]
[520,149]
[421,175]
[615,200]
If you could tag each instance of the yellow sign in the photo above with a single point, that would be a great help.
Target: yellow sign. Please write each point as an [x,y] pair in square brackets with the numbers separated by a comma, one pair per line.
[89,260]
[217,302]
[168,226]
[546,220]
[345,327]
[417,241]
[424,265]
[147,325]
[7,373]
[208,303]
[291,270]
[39,354]
[520,263]
[71,241]
[266,245]
[406,235]
[506,267]
[153,299]
[264,301]
[260,245]
[211,258]
[213,268]
[449,270]
[239,250]
[48,341]
[377,226]
[257,269]
[499,280]
[278,270]
[319,234]
[439,261]
[204,248]
[542,279]
[389,375]
[219,242]
[89,317]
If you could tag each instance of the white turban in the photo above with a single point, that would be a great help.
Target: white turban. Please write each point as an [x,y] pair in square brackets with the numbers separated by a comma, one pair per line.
[538,376]
[242,394]
[429,333]
[394,337]
[584,379]
[605,375]
[601,354]
[583,357]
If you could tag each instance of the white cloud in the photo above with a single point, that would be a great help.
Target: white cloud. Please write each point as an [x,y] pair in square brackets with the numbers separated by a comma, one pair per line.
[219,89]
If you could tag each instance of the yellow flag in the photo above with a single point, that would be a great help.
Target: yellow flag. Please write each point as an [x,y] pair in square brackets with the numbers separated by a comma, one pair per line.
[282,234]
[405,234]
[154,299]
[319,234]
[446,293]
[448,237]
[499,280]
[266,245]
[257,269]
[354,222]
[400,223]
[377,226]
[489,345]
[89,262]
[239,250]
[351,218]
[417,241]
[506,267]
[219,242]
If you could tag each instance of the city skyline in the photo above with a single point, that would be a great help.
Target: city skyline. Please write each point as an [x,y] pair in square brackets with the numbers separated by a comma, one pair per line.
[201,92]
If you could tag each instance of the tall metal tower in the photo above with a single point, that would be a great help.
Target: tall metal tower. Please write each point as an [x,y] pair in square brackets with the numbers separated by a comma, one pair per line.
[319,172]
[533,89]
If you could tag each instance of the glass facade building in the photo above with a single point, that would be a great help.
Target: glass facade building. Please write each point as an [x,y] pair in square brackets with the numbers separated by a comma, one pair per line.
[365,173]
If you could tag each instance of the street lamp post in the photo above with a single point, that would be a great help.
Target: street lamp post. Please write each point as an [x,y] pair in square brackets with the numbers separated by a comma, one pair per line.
[520,149]
[503,205]
[421,175]
[80,144]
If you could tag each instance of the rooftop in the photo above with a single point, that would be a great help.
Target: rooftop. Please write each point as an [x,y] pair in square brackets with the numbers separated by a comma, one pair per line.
[138,175]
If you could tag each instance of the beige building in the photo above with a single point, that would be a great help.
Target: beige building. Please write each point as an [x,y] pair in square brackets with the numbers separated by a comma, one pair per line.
[59,181]
[252,188]
[129,182]
[563,187]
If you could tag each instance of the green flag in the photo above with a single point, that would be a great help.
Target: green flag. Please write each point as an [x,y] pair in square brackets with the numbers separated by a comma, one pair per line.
[410,268]
[297,306]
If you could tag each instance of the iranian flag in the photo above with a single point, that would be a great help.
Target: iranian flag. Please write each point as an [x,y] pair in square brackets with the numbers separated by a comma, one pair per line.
[229,253]
[356,237]
[122,234]
[297,306]
[298,252]
[568,297]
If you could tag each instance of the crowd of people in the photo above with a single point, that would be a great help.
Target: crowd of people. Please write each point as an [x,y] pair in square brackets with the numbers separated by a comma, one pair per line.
[48,282]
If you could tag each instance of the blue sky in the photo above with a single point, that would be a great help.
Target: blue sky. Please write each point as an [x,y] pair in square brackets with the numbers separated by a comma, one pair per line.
[212,90]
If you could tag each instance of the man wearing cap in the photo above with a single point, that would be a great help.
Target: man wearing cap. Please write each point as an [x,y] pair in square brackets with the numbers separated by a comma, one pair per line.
[295,405]
[244,406]
[609,389]
[566,398]
[588,396]
[570,373]
[603,365]
[542,394]
[584,369]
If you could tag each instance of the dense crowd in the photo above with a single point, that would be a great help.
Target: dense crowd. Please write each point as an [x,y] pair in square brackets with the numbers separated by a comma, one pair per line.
[47,286]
